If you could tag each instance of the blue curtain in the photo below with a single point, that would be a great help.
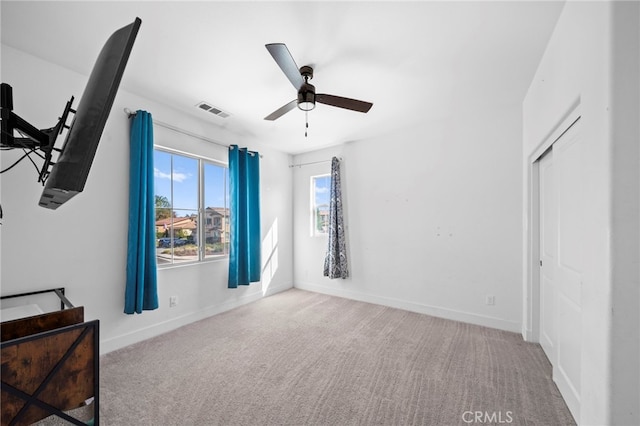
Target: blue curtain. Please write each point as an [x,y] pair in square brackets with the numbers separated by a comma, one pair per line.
[244,193]
[335,261]
[141,292]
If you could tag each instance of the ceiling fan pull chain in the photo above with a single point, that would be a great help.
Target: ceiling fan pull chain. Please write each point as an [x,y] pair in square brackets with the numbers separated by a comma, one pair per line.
[306,119]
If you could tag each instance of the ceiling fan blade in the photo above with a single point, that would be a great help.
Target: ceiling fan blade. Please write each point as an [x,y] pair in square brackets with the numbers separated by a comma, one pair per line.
[282,110]
[346,103]
[286,63]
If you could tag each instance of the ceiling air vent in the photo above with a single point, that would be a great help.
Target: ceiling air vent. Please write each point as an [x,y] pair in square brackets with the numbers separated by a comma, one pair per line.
[206,106]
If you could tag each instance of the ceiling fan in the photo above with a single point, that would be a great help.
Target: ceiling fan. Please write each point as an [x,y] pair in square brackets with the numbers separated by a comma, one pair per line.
[307,96]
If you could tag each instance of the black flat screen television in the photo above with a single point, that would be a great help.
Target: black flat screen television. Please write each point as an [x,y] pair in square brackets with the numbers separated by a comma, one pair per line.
[71,169]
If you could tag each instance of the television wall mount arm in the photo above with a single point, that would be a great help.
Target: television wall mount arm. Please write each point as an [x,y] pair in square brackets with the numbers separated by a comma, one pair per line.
[41,139]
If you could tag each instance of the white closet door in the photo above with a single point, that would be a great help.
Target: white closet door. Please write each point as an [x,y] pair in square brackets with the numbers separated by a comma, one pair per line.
[569,172]
[561,173]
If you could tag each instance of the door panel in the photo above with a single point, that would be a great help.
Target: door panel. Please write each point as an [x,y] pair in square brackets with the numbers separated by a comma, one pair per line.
[569,343]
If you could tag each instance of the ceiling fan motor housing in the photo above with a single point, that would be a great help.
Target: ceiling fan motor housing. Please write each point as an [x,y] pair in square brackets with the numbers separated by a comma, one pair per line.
[307,97]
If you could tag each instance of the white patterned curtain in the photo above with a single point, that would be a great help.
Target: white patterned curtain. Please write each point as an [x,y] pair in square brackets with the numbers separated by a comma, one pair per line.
[335,262]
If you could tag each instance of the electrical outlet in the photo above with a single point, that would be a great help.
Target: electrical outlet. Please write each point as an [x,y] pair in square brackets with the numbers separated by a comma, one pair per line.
[173,301]
[491,299]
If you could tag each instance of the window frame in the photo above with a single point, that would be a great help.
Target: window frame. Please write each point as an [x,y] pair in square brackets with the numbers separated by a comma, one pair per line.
[201,208]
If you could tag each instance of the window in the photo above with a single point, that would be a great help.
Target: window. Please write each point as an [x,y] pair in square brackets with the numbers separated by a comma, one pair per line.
[190,191]
[320,191]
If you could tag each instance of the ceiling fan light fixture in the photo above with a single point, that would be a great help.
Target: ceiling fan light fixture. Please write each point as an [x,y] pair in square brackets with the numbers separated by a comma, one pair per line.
[306,106]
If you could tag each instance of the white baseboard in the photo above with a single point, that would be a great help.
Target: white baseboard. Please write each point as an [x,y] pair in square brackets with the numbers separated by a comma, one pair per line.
[123,340]
[528,335]
[436,311]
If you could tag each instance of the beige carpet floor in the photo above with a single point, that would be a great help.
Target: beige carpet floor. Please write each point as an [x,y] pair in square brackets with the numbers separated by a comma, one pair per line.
[302,358]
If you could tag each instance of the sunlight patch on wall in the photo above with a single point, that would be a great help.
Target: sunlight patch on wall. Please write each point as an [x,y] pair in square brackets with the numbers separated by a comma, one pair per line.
[269,256]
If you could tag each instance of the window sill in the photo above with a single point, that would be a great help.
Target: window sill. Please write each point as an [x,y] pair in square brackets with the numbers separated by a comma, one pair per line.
[194,263]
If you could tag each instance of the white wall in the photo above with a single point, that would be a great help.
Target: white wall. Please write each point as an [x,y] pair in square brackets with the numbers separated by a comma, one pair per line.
[82,245]
[625,244]
[591,63]
[432,218]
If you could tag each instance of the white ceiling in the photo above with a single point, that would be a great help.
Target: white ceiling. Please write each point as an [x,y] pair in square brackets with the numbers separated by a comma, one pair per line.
[415,61]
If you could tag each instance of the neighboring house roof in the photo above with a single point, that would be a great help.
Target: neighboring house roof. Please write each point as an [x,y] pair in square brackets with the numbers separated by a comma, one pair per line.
[221,211]
[190,222]
[178,223]
[163,222]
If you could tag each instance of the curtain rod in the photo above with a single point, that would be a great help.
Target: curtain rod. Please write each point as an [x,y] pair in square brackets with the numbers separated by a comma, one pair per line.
[177,129]
[313,162]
